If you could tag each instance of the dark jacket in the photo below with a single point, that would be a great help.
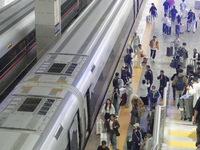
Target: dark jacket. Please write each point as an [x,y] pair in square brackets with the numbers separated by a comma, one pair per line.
[115,123]
[163,80]
[149,76]
[153,95]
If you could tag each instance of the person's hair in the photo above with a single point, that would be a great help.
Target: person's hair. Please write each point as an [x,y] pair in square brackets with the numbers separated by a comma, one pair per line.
[126,67]
[165,15]
[143,81]
[139,44]
[154,36]
[184,43]
[147,66]
[117,74]
[153,86]
[107,104]
[103,142]
[112,115]
[162,71]
[180,70]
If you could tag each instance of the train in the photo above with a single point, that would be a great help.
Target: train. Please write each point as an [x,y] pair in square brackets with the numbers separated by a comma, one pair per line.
[56,104]
[18,43]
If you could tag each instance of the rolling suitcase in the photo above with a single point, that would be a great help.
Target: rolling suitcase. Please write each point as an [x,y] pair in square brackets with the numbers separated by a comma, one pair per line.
[190,67]
[148,19]
[182,28]
[169,51]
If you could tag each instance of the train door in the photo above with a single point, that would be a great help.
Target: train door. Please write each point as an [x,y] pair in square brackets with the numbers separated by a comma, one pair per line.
[74,134]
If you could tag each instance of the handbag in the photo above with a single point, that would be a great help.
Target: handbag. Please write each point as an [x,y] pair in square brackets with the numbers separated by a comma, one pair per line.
[141,55]
[117,132]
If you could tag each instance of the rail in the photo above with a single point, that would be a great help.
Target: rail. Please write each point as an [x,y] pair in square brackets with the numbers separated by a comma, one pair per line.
[159,122]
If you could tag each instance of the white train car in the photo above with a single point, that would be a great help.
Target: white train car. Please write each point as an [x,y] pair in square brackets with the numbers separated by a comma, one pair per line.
[55,106]
[17,28]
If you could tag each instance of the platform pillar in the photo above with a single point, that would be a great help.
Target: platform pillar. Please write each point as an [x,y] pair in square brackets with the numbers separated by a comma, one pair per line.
[47,24]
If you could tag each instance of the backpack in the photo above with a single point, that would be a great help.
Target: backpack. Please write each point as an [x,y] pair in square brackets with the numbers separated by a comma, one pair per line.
[198,57]
[180,85]
[127,59]
[115,83]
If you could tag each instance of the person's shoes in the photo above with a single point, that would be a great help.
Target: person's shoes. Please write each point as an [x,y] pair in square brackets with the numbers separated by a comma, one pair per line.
[178,105]
[190,119]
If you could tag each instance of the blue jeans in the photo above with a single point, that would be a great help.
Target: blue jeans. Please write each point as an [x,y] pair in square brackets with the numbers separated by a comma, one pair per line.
[152,104]
[113,139]
[164,28]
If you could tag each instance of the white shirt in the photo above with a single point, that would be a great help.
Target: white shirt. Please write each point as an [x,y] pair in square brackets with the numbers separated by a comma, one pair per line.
[148,144]
[165,20]
[195,91]
[143,91]
[107,110]
[111,124]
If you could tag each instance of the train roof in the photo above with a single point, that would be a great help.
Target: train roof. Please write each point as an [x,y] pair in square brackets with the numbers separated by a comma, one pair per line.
[14,12]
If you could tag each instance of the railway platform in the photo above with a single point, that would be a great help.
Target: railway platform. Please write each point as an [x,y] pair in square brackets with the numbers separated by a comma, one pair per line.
[178,134]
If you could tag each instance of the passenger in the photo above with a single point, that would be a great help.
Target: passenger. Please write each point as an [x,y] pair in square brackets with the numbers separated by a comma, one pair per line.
[103,146]
[117,81]
[137,108]
[136,41]
[164,27]
[138,53]
[196,120]
[126,75]
[153,96]
[173,87]
[116,100]
[183,55]
[194,90]
[108,109]
[128,62]
[112,126]
[198,72]
[179,82]
[129,91]
[163,82]
[136,137]
[176,44]
[148,76]
[154,46]
[166,7]
[183,7]
[153,11]
[148,143]
[169,26]
[173,13]
[189,20]
[143,92]
[195,58]
[151,118]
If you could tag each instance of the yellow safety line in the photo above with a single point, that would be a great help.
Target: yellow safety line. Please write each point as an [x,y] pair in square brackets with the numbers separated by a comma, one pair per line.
[182,133]
[124,117]
[185,144]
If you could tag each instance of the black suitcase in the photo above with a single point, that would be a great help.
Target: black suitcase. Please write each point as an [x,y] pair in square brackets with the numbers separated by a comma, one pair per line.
[190,67]
[169,51]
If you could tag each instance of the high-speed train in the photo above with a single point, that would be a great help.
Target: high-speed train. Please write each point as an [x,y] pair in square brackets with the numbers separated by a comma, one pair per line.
[17,36]
[55,105]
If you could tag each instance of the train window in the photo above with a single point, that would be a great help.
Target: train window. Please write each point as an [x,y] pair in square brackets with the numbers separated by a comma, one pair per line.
[16,52]
[74,134]
[29,105]
[67,5]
